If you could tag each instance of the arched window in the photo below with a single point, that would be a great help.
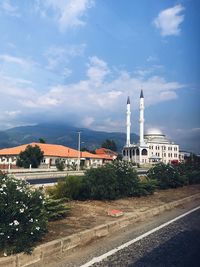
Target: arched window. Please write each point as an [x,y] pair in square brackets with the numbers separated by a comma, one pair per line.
[137,152]
[133,152]
[124,152]
[144,152]
[130,153]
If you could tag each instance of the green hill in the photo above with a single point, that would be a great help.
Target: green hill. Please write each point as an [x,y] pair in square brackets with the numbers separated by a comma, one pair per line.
[60,134]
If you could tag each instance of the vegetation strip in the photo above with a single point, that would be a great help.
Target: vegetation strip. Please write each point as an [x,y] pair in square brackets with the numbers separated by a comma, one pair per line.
[60,246]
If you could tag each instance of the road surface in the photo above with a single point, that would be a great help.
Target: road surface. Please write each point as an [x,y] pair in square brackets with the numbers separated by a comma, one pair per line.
[176,244]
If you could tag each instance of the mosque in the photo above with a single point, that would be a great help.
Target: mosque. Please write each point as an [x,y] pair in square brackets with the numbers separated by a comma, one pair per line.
[153,146]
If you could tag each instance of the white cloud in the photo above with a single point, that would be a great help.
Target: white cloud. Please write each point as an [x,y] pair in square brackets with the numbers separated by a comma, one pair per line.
[97,70]
[12,113]
[87,121]
[9,8]
[26,63]
[67,13]
[98,101]
[57,55]
[169,20]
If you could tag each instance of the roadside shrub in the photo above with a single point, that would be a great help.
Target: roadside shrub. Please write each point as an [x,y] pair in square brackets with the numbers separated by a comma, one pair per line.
[194,177]
[147,187]
[23,218]
[166,175]
[56,208]
[68,188]
[100,183]
[60,165]
[127,178]
[114,181]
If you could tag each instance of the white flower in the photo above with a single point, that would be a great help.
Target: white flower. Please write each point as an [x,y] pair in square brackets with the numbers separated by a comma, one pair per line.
[31,220]
[37,228]
[40,197]
[11,223]
[1,189]
[31,233]
[16,222]
[17,202]
[3,185]
[16,229]
[21,210]
[8,236]
[1,233]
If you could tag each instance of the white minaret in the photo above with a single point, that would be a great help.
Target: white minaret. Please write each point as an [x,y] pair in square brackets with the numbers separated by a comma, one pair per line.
[128,122]
[141,118]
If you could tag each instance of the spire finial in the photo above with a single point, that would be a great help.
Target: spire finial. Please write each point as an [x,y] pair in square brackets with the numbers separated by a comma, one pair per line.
[141,94]
[128,100]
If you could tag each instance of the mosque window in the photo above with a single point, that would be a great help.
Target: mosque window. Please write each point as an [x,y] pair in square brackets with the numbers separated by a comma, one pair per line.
[130,153]
[124,152]
[137,152]
[133,152]
[144,152]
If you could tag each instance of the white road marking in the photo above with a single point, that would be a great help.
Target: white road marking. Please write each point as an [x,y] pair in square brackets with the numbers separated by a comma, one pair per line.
[125,245]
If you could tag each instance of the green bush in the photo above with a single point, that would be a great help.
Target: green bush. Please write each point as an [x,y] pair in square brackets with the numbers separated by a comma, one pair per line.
[60,165]
[23,218]
[127,178]
[56,208]
[194,177]
[100,183]
[147,187]
[67,188]
[113,181]
[166,175]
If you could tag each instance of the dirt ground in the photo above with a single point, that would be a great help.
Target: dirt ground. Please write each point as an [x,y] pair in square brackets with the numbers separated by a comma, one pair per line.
[88,214]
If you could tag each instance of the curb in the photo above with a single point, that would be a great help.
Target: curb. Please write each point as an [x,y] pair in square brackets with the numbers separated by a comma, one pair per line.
[58,248]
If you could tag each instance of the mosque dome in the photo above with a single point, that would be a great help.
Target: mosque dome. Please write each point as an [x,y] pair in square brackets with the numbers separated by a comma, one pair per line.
[154,131]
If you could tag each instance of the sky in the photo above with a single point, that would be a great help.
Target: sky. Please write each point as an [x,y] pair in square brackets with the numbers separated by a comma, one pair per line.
[76,61]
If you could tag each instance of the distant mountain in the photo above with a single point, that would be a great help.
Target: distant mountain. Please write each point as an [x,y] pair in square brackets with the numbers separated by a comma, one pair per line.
[62,134]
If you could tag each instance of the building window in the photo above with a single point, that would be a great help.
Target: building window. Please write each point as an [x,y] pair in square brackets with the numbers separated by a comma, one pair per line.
[144,152]
[137,152]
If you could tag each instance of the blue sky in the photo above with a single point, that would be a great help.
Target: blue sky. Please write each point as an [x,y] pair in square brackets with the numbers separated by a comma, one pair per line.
[76,61]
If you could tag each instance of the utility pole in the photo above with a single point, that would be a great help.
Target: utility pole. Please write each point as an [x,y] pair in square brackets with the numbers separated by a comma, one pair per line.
[79,150]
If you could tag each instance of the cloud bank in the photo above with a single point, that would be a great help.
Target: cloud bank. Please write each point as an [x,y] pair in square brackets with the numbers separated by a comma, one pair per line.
[97,101]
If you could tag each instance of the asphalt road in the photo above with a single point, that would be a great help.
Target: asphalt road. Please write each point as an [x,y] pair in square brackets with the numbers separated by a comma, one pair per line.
[177,244]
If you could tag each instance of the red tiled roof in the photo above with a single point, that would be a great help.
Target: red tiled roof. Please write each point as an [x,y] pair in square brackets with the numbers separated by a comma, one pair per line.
[106,152]
[52,150]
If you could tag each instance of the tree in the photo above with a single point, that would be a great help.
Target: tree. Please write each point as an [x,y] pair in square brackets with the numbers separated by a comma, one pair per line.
[32,155]
[110,144]
[42,141]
